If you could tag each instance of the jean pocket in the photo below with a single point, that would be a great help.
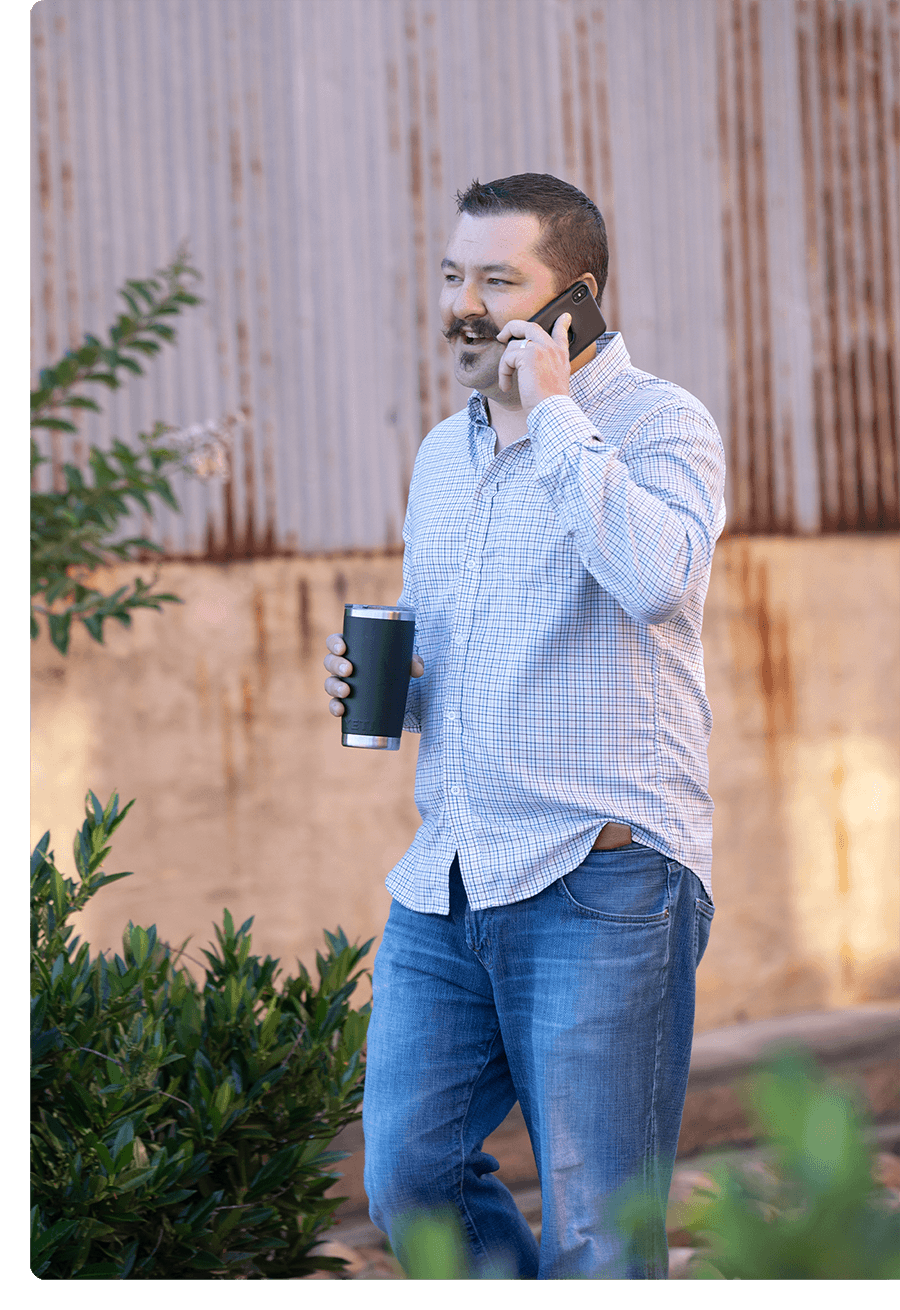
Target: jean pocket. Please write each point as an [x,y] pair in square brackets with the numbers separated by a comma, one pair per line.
[628,885]
[703,917]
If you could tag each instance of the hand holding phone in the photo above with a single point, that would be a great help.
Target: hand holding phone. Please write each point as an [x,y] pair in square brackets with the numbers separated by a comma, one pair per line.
[543,368]
[587,322]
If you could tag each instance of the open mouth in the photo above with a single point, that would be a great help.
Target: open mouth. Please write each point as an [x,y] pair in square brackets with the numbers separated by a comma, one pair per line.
[473,338]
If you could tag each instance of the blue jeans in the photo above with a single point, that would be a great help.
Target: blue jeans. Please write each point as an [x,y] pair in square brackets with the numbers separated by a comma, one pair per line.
[578,1003]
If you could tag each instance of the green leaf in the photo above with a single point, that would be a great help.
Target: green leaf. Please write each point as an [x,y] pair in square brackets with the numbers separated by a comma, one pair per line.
[122,1146]
[94,625]
[132,364]
[82,402]
[141,289]
[59,625]
[140,945]
[57,424]
[130,301]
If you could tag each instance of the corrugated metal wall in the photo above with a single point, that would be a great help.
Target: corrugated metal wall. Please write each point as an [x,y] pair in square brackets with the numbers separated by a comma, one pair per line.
[746,155]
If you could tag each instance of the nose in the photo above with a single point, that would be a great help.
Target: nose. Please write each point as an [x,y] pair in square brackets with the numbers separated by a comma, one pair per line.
[467,302]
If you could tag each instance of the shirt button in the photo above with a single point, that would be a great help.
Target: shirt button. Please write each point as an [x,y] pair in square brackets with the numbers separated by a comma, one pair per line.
[471,563]
[450,716]
[456,791]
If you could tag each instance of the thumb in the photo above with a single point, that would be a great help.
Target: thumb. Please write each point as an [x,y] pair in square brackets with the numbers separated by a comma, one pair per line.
[560,331]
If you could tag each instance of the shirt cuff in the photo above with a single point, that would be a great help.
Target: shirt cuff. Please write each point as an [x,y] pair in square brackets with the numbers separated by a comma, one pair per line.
[554,426]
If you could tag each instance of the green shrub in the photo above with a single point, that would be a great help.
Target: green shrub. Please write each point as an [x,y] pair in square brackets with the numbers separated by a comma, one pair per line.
[181,1130]
[76,528]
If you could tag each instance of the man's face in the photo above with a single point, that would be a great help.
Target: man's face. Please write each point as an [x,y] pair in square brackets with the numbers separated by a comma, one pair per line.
[491,275]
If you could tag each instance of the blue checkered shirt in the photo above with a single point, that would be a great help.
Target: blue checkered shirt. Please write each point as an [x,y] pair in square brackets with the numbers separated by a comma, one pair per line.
[559,588]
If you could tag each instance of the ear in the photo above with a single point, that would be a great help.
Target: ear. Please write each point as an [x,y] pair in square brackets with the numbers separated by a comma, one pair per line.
[591,282]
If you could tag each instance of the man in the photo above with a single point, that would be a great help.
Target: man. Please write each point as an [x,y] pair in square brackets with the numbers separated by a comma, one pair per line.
[549,916]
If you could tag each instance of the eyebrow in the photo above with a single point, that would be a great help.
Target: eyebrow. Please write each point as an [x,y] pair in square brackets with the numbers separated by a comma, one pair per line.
[486,268]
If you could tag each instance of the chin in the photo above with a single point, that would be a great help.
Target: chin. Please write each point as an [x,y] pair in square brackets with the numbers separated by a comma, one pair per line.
[476,379]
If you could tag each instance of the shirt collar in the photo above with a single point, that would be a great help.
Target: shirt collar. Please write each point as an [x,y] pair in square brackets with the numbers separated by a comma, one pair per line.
[585,387]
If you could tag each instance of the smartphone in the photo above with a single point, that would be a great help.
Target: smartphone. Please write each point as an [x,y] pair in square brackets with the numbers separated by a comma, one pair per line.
[587,322]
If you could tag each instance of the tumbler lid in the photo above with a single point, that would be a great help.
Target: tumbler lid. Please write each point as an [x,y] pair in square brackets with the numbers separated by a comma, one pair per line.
[379,612]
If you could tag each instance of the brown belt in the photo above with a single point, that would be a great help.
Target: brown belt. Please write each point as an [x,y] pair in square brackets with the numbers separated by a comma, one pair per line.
[612,836]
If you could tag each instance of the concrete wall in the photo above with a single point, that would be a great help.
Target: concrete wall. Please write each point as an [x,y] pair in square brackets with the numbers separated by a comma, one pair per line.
[213,716]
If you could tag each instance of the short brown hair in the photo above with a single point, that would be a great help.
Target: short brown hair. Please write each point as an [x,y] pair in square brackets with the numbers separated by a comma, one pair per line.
[573,234]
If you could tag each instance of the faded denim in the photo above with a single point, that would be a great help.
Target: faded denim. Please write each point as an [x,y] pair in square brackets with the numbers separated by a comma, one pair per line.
[578,1003]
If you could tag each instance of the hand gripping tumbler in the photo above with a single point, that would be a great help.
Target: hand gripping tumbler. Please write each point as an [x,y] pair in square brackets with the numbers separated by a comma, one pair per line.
[379,641]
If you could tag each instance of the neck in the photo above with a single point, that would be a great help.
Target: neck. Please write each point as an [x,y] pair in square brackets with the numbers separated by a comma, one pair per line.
[510,425]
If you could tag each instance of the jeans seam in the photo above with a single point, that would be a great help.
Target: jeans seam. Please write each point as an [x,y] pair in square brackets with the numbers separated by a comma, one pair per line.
[651,1169]
[474,1235]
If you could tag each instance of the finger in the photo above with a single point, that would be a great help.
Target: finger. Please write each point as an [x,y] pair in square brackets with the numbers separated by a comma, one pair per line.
[335,664]
[508,366]
[516,327]
[335,643]
[335,687]
[560,332]
[417,668]
[336,708]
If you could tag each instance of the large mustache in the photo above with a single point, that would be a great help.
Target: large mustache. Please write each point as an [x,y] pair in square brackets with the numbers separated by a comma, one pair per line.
[479,327]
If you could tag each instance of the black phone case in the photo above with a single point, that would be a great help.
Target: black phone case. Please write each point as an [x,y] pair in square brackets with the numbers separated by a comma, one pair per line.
[587,322]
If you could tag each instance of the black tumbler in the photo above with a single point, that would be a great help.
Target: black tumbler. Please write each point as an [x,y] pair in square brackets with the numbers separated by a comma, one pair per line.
[379,641]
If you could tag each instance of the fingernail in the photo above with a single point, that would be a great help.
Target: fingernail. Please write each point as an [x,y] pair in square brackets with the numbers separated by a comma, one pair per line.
[345,668]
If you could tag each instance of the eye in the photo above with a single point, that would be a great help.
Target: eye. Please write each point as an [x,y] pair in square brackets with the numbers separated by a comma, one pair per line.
[451,277]
[499,282]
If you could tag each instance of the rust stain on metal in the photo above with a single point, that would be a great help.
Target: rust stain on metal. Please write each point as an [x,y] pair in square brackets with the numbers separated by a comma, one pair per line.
[743,290]
[393,107]
[888,437]
[248,714]
[435,162]
[865,359]
[566,108]
[760,331]
[850,232]
[247,707]
[242,336]
[420,248]
[605,199]
[774,668]
[48,237]
[723,118]
[229,770]
[821,395]
[262,638]
[234,158]
[201,682]
[304,619]
[842,865]
[742,147]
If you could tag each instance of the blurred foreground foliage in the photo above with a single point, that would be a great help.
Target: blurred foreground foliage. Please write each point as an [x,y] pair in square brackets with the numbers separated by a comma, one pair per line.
[813,1211]
[181,1130]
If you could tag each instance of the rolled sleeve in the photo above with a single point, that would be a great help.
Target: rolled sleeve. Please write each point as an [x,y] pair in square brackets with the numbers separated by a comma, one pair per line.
[645,511]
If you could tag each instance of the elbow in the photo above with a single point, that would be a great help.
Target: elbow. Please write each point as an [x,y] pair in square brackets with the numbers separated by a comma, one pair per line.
[668,592]
[659,609]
